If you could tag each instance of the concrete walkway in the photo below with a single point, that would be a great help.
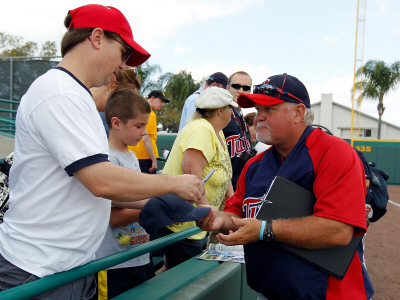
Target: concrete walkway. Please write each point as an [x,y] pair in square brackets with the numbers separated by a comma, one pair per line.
[382,249]
[6,146]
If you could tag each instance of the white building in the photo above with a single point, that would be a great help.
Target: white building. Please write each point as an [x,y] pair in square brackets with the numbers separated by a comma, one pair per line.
[337,118]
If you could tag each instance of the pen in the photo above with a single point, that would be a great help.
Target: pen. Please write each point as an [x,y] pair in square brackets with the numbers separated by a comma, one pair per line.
[207,176]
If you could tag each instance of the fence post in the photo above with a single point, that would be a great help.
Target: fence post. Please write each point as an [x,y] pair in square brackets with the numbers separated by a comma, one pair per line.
[11,83]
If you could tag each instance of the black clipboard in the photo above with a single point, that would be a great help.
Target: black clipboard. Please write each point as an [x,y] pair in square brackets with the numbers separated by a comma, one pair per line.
[286,199]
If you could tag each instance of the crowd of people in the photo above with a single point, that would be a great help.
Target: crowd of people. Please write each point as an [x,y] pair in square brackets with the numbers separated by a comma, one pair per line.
[76,191]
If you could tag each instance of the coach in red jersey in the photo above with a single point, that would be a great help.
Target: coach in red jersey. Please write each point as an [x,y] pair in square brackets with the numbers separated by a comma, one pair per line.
[323,164]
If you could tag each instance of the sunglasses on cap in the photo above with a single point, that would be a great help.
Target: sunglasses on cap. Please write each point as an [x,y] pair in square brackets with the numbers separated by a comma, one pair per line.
[127,54]
[238,86]
[269,89]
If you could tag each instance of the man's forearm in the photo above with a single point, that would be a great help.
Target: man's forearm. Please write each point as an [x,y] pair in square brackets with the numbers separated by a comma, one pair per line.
[312,232]
[120,184]
[133,205]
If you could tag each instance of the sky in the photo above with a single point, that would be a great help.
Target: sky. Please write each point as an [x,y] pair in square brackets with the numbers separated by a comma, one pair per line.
[312,40]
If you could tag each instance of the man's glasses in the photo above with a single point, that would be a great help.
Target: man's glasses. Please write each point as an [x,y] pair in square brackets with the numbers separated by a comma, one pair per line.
[269,89]
[127,54]
[238,86]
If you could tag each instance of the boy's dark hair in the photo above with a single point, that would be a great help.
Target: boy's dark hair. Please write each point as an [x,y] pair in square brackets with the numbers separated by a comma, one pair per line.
[75,36]
[125,104]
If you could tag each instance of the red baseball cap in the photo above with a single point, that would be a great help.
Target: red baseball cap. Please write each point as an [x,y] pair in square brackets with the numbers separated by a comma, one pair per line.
[110,19]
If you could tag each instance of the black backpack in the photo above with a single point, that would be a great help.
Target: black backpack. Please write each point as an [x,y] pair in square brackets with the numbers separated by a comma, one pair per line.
[5,166]
[377,195]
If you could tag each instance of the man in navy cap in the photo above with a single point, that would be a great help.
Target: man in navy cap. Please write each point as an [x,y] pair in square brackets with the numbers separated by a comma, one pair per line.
[217,79]
[309,158]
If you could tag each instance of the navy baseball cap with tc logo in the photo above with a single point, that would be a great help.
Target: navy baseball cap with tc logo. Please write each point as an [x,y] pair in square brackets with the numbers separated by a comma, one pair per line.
[275,90]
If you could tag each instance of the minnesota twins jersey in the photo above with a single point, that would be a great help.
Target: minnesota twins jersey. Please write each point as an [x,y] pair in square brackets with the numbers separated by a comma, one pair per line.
[329,167]
[237,142]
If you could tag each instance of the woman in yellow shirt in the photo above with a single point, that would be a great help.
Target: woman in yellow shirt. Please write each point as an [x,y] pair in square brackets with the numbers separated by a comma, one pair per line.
[199,148]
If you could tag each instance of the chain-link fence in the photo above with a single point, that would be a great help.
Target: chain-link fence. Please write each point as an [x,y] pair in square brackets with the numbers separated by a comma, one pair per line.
[16,75]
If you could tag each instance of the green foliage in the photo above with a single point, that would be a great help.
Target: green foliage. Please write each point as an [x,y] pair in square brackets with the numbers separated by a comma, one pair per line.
[11,45]
[379,79]
[177,88]
[48,49]
[7,41]
[169,117]
[28,49]
[147,72]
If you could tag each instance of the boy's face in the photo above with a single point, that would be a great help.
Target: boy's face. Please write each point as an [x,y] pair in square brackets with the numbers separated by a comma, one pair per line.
[157,104]
[133,131]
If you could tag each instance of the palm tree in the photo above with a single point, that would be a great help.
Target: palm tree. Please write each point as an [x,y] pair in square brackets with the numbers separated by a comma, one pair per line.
[379,79]
[177,88]
[146,72]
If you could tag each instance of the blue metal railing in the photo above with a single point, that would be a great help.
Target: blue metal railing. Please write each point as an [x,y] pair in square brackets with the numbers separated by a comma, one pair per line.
[37,287]
[7,118]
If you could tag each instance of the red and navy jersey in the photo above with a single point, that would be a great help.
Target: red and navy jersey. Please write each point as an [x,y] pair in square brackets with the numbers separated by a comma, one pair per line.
[236,139]
[329,167]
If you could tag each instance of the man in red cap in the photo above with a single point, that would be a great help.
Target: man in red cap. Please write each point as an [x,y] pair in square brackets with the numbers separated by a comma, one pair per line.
[61,178]
[309,158]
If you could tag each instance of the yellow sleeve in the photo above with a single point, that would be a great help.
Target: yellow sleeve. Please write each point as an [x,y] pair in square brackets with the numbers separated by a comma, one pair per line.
[202,138]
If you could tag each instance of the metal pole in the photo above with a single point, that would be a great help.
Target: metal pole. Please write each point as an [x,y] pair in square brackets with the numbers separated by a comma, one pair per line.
[11,83]
[354,79]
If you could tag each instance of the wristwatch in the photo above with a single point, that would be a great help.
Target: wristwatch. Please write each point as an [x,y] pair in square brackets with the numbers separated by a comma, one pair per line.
[269,236]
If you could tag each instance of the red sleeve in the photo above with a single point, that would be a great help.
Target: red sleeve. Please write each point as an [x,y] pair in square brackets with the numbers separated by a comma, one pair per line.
[235,203]
[339,185]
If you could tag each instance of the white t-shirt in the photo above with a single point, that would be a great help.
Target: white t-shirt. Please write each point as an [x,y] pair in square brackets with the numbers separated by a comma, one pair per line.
[54,223]
[260,147]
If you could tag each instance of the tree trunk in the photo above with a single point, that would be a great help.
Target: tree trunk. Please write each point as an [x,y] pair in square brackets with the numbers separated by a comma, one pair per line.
[379,126]
[381,109]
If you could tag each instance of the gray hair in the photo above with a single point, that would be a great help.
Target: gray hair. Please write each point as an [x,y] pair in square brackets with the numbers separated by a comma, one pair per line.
[308,117]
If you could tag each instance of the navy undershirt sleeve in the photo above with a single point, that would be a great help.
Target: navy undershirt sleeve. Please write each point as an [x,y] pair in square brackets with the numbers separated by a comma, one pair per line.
[84,162]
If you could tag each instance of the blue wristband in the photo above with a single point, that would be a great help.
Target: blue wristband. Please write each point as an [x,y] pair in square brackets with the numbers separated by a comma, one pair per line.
[262,228]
